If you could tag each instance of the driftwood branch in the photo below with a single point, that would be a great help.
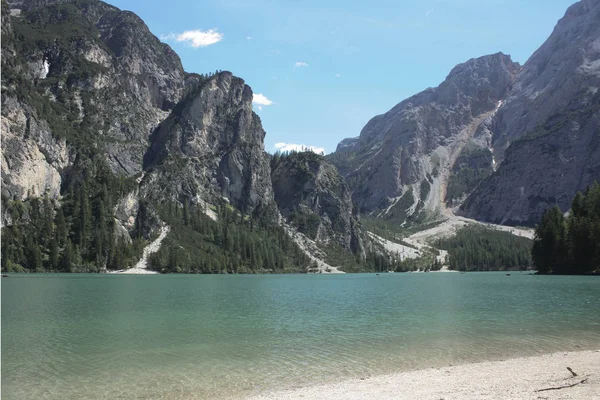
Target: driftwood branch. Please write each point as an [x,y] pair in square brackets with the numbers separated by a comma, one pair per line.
[571,371]
[563,387]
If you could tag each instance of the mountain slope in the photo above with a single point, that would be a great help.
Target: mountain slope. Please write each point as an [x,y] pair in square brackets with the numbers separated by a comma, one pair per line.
[211,147]
[399,166]
[546,136]
[86,78]
[314,198]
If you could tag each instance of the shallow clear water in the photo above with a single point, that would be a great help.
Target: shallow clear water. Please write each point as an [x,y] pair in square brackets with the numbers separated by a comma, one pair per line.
[182,336]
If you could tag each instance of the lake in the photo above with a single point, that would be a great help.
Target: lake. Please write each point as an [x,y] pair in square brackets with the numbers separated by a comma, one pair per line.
[198,336]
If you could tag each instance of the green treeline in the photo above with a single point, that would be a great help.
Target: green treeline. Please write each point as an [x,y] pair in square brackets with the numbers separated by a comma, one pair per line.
[570,245]
[77,235]
[235,243]
[476,248]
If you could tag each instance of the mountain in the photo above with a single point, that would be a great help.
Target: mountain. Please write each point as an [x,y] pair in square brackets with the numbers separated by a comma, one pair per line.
[401,164]
[546,135]
[313,197]
[84,76]
[501,141]
[107,141]
[211,147]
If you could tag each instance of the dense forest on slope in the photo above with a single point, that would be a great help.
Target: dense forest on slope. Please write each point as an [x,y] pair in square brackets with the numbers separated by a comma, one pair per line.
[235,243]
[570,245]
[476,248]
[77,235]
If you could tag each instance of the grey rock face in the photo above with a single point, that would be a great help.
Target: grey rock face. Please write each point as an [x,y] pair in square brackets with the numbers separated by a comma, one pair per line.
[311,194]
[416,143]
[211,147]
[347,144]
[546,134]
[106,85]
[34,158]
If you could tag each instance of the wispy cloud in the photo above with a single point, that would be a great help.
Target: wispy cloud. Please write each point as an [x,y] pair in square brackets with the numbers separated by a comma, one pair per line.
[195,37]
[300,64]
[338,75]
[261,100]
[248,37]
[429,12]
[283,147]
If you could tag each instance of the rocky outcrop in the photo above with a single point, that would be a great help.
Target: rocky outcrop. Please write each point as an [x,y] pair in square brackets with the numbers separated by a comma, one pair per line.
[546,135]
[32,159]
[401,162]
[313,197]
[104,84]
[347,143]
[211,147]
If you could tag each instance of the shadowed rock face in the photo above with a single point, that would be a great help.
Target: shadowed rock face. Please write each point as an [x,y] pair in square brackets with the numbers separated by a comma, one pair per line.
[547,133]
[419,139]
[311,195]
[211,146]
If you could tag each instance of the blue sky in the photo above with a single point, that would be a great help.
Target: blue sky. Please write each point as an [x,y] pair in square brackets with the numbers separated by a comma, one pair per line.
[329,66]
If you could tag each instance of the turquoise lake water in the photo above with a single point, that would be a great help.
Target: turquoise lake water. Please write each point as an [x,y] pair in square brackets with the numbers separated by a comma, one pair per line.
[188,336]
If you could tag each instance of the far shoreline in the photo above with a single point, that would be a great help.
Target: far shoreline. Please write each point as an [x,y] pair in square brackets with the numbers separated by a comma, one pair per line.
[135,271]
[544,376]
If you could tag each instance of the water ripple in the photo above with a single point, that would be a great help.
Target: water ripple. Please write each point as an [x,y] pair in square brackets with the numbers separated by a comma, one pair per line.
[210,337]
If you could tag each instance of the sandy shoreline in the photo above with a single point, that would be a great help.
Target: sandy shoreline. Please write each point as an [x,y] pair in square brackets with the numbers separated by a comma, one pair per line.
[518,378]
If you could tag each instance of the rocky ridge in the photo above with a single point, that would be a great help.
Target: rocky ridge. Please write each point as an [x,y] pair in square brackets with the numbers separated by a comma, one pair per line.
[399,166]
[312,196]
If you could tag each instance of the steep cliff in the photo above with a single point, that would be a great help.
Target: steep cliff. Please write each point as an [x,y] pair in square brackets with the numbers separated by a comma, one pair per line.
[546,136]
[82,77]
[210,147]
[400,165]
[314,198]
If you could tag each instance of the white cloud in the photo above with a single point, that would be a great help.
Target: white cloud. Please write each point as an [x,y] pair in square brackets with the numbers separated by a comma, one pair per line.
[196,37]
[248,37]
[300,64]
[338,75]
[261,100]
[283,147]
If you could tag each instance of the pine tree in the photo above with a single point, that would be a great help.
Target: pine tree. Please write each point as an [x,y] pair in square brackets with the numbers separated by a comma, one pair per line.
[67,258]
[54,255]
[62,231]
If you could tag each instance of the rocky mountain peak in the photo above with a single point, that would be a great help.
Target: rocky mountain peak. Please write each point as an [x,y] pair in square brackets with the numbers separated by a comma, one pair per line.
[213,143]
[493,68]
[487,79]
